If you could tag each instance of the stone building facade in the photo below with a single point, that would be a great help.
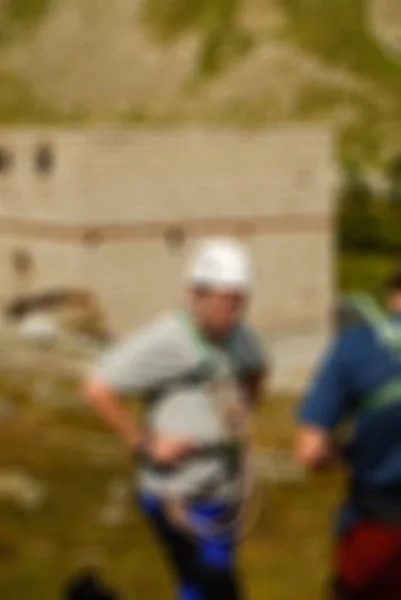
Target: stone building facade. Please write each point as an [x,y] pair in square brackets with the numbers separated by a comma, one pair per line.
[117,212]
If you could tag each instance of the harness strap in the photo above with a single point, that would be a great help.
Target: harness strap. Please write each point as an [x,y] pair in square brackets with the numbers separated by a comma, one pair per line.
[387,394]
[388,334]
[381,505]
[217,368]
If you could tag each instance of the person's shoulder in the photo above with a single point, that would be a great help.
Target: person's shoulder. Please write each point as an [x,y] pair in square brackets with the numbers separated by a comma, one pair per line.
[356,334]
[168,335]
[165,322]
[247,342]
[154,331]
[164,326]
[354,341]
[245,332]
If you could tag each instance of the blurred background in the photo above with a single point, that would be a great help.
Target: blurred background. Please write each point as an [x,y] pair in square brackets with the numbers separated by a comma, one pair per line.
[129,129]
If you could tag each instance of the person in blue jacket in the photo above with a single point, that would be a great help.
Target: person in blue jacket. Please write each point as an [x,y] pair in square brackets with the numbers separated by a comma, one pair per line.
[359,383]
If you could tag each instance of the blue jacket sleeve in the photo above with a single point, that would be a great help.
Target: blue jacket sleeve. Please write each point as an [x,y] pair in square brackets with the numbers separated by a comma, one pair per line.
[329,397]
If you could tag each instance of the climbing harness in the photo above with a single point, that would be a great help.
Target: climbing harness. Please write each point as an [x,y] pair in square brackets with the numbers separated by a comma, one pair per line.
[235,448]
[388,333]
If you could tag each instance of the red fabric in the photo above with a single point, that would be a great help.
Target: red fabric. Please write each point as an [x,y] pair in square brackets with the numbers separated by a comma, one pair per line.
[369,562]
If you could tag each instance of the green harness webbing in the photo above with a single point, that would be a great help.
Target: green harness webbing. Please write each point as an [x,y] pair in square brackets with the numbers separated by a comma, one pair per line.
[388,334]
[207,352]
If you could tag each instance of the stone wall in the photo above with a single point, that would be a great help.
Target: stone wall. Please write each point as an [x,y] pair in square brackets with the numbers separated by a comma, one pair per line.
[118,212]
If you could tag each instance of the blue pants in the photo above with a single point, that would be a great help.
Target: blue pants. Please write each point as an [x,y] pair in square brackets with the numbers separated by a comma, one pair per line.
[205,568]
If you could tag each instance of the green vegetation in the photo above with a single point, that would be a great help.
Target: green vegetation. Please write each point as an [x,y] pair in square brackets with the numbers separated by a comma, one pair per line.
[25,12]
[368,236]
[175,17]
[365,272]
[217,21]
[339,31]
[371,229]
[288,550]
[19,16]
[334,33]
[19,105]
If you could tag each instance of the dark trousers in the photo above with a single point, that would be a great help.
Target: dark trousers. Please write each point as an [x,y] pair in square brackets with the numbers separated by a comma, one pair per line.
[87,585]
[204,568]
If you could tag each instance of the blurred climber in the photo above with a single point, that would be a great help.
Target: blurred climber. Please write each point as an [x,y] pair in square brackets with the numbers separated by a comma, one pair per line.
[200,371]
[360,383]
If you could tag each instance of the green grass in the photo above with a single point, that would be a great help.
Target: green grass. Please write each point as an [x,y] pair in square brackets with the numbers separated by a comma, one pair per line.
[286,557]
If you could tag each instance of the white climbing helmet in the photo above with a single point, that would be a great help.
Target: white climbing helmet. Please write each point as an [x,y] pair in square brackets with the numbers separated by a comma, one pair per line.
[221,264]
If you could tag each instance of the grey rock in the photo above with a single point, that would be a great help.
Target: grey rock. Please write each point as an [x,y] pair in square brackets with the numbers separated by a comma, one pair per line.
[22,489]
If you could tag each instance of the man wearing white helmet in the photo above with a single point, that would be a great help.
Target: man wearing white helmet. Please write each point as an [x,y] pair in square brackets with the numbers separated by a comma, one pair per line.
[199,369]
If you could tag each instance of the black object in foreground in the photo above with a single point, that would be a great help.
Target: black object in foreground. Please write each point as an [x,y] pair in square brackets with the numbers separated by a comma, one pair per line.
[87,585]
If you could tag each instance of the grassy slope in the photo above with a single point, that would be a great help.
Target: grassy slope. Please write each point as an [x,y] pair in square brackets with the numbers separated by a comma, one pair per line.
[339,32]
[286,557]
[335,31]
